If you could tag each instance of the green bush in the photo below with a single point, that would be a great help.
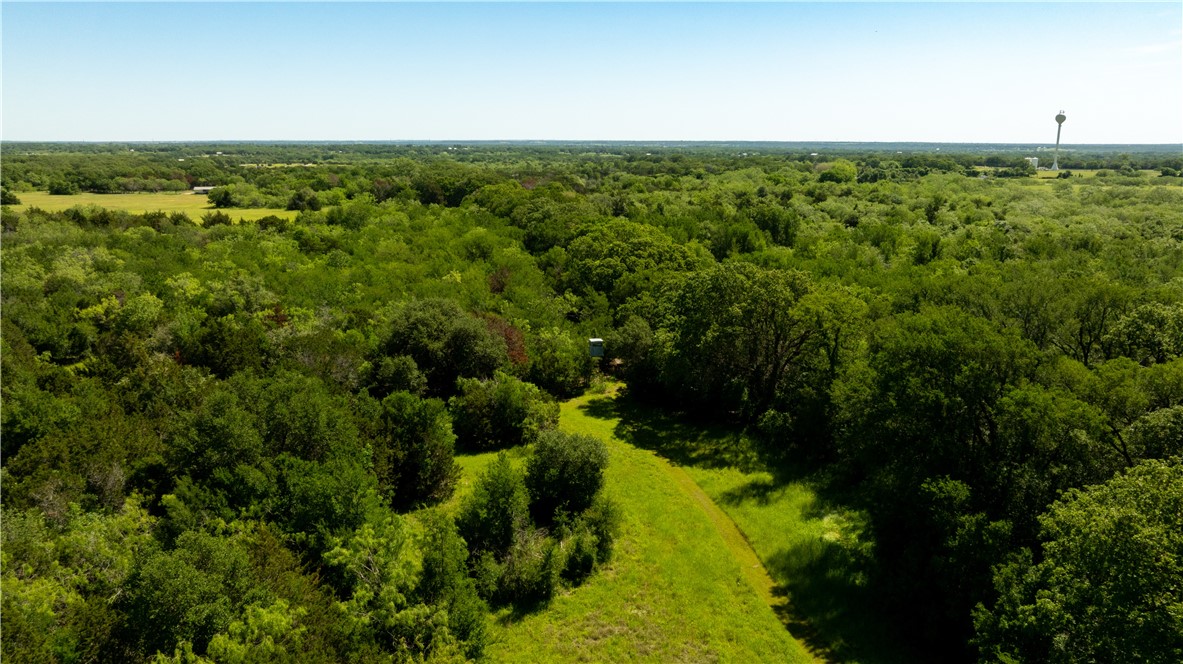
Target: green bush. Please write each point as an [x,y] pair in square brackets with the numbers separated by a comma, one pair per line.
[565,473]
[446,343]
[394,374]
[190,593]
[497,507]
[216,218]
[499,413]
[445,581]
[603,521]
[531,568]
[587,539]
[63,188]
[413,451]
[580,548]
[559,363]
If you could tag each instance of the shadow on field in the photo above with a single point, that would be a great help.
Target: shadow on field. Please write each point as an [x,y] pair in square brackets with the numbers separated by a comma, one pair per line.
[515,612]
[759,490]
[828,604]
[683,442]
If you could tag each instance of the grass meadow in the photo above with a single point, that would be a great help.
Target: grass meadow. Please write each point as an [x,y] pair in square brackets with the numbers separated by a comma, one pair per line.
[191,204]
[674,590]
[811,545]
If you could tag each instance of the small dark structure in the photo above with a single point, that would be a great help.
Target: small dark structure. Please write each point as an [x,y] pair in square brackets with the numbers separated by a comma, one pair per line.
[595,347]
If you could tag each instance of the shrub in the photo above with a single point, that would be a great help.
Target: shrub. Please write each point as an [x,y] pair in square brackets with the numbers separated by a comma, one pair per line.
[496,508]
[304,199]
[580,548]
[587,539]
[603,521]
[445,581]
[62,188]
[273,223]
[499,413]
[394,374]
[841,171]
[565,473]
[216,218]
[531,568]
[413,451]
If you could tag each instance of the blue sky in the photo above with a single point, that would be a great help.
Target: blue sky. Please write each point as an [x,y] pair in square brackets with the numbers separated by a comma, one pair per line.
[958,72]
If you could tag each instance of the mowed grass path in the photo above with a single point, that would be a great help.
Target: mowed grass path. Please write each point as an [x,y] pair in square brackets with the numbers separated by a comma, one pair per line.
[184,201]
[813,546]
[682,586]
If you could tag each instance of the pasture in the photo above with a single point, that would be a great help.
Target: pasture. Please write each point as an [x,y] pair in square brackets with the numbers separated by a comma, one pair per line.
[187,202]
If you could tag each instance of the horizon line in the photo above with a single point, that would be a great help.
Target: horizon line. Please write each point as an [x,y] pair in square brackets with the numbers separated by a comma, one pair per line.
[559,141]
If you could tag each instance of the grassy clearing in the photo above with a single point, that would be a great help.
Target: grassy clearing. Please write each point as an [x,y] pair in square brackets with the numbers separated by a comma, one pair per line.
[185,201]
[813,548]
[673,592]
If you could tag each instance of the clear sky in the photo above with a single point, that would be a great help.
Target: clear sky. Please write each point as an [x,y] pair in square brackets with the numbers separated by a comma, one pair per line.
[956,72]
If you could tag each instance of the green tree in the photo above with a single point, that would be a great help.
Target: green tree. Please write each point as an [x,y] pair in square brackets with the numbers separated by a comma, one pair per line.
[412,452]
[559,362]
[565,473]
[445,343]
[1107,587]
[738,333]
[381,565]
[841,170]
[445,581]
[188,594]
[499,413]
[497,507]
[623,259]
[303,199]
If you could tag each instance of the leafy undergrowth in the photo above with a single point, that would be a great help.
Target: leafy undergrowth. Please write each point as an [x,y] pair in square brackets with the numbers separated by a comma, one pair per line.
[673,591]
[814,549]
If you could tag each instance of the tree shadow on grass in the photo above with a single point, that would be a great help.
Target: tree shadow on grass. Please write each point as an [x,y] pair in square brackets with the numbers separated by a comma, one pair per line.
[830,606]
[602,408]
[674,437]
[759,490]
[515,612]
[824,582]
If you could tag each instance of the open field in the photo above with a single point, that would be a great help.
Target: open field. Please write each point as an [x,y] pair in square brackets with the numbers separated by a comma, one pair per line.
[187,202]
[814,552]
[812,547]
[674,590]
[1085,173]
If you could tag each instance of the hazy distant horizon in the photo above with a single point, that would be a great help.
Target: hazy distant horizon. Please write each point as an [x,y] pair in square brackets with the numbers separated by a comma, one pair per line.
[851,145]
[453,72]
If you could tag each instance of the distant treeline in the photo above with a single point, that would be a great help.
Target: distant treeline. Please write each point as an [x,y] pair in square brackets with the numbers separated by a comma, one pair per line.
[113,168]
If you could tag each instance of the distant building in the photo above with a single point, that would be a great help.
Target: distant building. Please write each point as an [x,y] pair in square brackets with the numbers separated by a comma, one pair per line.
[1034,161]
[202,190]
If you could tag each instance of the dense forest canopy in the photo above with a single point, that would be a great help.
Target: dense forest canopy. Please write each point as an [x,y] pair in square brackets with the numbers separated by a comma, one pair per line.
[237,440]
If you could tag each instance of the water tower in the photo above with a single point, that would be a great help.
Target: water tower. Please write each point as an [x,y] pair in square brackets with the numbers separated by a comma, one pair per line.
[1060,117]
